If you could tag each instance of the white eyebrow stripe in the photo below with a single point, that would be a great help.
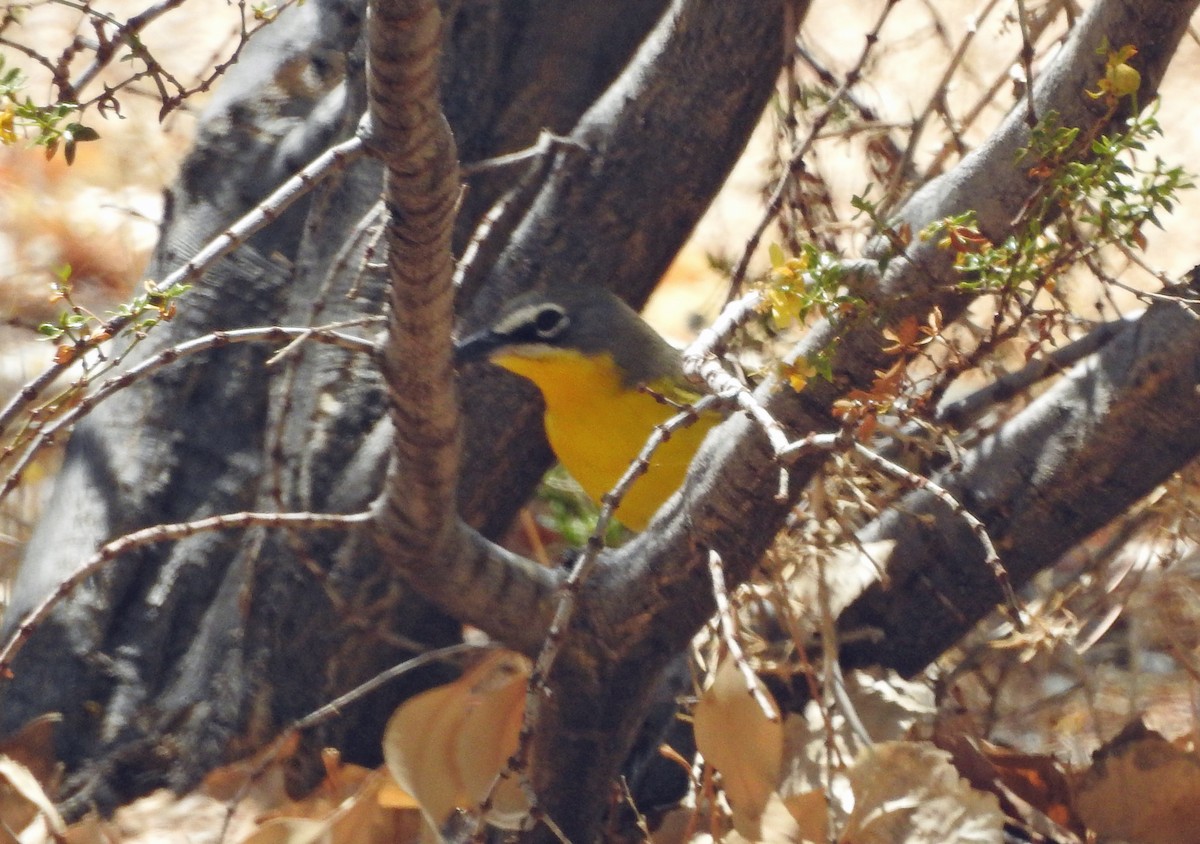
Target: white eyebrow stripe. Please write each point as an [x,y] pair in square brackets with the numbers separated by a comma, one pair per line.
[525,317]
[516,320]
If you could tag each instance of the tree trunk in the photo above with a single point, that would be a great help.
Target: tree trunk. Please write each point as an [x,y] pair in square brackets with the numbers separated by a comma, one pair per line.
[181,656]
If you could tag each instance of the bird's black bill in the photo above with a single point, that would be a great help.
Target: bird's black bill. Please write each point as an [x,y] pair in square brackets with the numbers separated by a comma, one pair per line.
[476,347]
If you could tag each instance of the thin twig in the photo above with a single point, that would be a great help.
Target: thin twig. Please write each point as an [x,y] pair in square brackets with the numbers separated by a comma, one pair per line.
[1002,78]
[216,340]
[334,160]
[569,591]
[367,233]
[967,410]
[871,119]
[844,441]
[333,709]
[568,594]
[796,162]
[327,334]
[922,121]
[491,234]
[1027,64]
[163,533]
[701,360]
[30,391]
[126,34]
[730,637]
[546,143]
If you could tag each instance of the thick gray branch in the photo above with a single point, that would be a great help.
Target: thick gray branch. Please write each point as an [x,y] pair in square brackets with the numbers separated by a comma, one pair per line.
[725,509]
[1112,429]
[621,199]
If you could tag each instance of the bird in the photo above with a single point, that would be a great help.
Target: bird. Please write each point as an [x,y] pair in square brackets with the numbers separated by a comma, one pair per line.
[607,379]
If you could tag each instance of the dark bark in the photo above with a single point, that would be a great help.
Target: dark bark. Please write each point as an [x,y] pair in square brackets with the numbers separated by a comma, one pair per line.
[200,651]
[197,652]
[728,502]
[1110,431]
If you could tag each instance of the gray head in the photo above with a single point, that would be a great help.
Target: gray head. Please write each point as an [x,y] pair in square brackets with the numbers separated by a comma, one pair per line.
[590,320]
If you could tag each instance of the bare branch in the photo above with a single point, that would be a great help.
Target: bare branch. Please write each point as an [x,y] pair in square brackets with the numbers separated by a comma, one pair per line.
[47,433]
[967,410]
[796,163]
[729,637]
[333,160]
[1103,436]
[714,510]
[162,533]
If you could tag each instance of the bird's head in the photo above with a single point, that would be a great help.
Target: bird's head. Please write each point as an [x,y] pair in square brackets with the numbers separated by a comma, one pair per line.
[574,321]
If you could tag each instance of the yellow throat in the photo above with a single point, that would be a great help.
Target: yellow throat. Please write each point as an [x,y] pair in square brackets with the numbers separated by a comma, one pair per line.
[594,358]
[597,427]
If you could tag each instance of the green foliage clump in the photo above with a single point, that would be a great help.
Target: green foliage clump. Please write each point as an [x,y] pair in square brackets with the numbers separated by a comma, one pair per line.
[1093,193]
[570,513]
[43,125]
[77,330]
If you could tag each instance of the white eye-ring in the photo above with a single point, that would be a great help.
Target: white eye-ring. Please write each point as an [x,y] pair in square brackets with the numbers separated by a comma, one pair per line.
[550,321]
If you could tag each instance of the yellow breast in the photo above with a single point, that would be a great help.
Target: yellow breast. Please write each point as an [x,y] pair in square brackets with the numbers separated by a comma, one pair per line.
[597,427]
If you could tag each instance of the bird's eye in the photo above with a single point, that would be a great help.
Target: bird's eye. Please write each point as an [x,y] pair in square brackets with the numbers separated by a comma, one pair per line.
[550,322]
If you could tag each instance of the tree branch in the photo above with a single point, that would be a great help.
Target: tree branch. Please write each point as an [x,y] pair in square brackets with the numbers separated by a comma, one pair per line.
[725,507]
[1110,431]
[621,198]
[416,524]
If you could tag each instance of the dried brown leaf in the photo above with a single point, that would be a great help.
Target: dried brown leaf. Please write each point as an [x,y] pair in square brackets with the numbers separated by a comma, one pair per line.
[33,746]
[447,745]
[908,791]
[418,749]
[23,800]
[495,710]
[743,742]
[1142,788]
[1032,788]
[291,831]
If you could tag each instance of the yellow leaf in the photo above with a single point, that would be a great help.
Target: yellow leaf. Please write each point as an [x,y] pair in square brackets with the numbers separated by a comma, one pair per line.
[1125,80]
[775,252]
[8,122]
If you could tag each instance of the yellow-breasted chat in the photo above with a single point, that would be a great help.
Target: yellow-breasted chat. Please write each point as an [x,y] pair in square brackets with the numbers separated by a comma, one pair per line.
[607,379]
